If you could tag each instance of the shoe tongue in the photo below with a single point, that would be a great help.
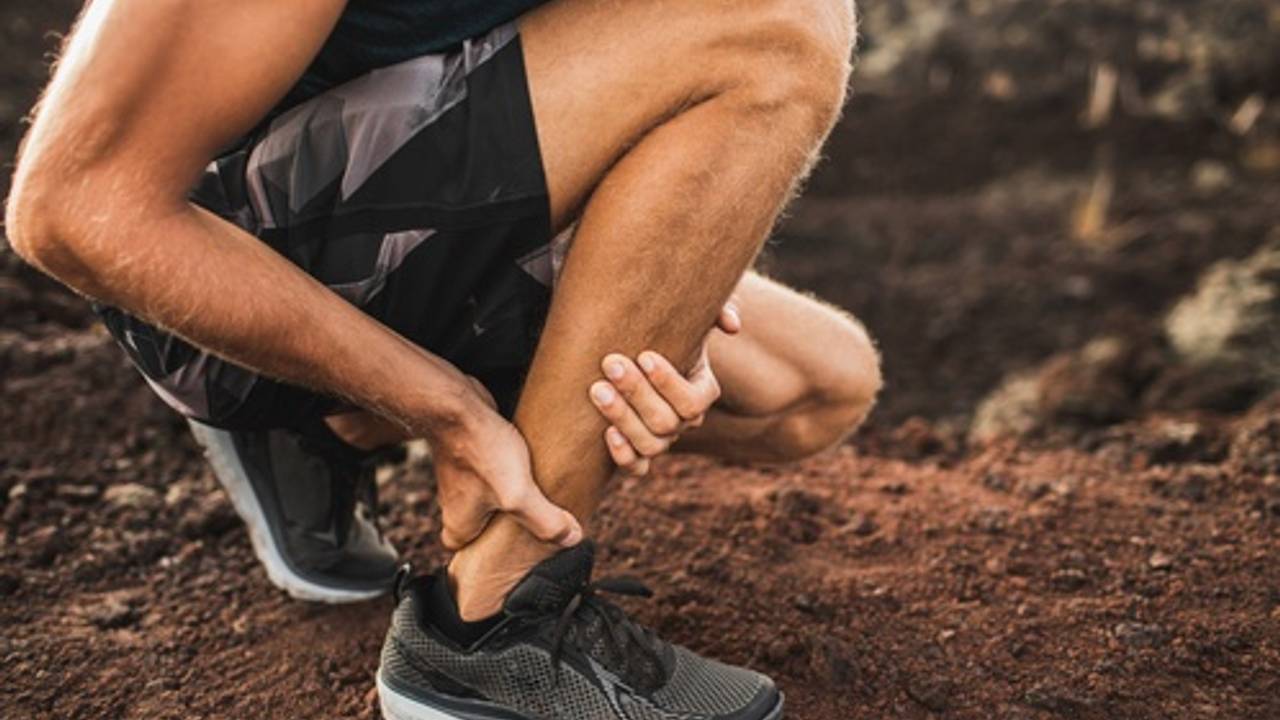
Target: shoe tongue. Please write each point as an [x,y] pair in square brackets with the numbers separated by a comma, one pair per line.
[553,582]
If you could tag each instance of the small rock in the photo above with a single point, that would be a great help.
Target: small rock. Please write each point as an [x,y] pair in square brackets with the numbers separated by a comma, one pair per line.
[211,515]
[45,544]
[77,493]
[781,651]
[1160,561]
[1011,410]
[1211,176]
[862,525]
[132,496]
[17,492]
[1069,580]
[110,613]
[1044,697]
[800,530]
[998,482]
[793,502]
[993,520]
[933,693]
[1140,635]
[895,488]
[836,660]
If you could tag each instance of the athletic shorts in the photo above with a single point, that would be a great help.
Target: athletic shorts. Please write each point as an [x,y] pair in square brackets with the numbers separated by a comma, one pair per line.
[416,193]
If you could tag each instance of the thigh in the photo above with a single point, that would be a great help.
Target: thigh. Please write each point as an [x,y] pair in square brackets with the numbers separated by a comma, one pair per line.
[602,74]
[790,344]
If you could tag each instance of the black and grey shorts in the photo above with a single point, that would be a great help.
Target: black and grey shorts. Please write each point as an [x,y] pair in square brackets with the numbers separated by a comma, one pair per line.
[415,192]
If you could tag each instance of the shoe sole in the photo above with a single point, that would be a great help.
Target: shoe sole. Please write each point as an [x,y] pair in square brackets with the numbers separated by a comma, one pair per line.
[396,705]
[219,450]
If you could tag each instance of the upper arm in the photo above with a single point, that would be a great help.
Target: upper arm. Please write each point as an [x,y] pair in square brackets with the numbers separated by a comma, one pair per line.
[148,91]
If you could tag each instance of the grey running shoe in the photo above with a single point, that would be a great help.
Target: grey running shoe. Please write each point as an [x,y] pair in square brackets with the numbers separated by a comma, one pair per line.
[309,505]
[557,651]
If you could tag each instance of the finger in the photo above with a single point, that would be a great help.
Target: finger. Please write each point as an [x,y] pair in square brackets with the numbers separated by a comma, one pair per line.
[657,414]
[689,398]
[640,469]
[705,385]
[544,519]
[619,413]
[623,454]
[730,319]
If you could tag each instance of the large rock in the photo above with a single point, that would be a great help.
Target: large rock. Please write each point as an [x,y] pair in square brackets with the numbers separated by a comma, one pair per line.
[1098,384]
[1232,320]
[1218,349]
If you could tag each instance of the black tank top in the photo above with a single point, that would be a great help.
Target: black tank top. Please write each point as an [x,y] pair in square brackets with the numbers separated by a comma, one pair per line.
[377,33]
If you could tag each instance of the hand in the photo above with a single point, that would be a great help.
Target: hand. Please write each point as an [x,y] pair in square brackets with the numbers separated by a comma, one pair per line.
[483,467]
[649,404]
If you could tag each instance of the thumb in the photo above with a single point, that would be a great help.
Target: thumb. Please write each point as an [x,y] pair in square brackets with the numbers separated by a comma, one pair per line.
[547,521]
[730,319]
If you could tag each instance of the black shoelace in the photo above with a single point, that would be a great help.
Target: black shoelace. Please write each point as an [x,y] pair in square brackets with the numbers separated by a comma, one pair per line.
[619,629]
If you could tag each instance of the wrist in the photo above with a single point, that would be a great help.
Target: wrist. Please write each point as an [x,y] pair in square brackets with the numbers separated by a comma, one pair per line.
[446,412]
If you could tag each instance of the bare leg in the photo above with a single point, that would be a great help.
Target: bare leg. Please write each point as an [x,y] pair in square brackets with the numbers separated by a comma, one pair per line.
[683,128]
[797,379]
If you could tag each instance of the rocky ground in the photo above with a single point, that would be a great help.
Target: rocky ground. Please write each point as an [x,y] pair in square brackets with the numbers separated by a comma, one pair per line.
[1067,506]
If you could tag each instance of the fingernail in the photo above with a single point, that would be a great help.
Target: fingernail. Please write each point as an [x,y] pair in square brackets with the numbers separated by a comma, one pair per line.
[602,393]
[573,538]
[614,370]
[615,436]
[733,313]
[646,362]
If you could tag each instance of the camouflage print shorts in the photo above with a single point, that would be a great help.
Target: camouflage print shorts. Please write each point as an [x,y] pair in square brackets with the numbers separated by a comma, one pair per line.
[416,193]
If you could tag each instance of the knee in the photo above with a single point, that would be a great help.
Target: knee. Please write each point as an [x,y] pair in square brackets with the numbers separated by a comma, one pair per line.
[795,62]
[854,378]
[843,385]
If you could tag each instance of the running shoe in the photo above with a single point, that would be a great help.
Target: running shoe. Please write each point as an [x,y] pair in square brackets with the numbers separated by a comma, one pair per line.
[558,650]
[309,503]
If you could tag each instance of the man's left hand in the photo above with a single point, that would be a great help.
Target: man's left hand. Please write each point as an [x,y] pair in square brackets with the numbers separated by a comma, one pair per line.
[648,403]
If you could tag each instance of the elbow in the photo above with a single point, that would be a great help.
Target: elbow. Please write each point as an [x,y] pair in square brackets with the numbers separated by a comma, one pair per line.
[34,212]
[54,224]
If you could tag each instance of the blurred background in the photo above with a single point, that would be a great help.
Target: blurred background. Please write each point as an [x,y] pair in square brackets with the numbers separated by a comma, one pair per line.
[1059,221]
[1012,180]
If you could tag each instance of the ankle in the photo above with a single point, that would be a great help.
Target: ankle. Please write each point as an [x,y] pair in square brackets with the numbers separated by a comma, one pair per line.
[480,587]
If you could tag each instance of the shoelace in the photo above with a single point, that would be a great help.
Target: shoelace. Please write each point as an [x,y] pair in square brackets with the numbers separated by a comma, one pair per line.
[619,627]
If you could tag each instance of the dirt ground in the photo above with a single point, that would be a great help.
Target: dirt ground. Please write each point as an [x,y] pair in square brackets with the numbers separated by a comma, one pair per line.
[1127,569]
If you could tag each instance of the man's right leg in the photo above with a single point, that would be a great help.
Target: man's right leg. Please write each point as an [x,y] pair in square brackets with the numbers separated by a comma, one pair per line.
[679,130]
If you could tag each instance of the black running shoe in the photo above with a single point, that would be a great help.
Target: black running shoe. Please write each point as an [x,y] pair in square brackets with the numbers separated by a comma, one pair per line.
[309,503]
[557,651]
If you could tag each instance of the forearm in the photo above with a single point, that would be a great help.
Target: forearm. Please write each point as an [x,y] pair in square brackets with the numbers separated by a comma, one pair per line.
[224,290]
[133,115]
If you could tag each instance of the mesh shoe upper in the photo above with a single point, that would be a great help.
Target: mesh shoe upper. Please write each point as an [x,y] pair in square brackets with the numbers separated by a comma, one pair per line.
[554,656]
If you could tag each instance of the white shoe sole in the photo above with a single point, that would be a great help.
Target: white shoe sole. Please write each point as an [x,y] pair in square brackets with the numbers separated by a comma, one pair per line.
[397,706]
[219,450]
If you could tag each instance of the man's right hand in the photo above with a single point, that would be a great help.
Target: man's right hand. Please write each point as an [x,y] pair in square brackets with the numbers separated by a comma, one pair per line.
[482,467]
